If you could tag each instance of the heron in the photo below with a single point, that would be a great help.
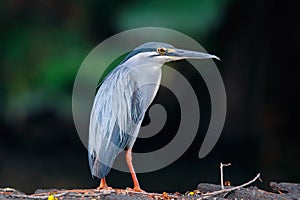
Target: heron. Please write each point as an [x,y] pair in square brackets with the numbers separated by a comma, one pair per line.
[120,104]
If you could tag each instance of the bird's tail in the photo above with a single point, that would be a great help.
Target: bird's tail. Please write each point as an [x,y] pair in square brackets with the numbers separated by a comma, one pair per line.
[100,166]
[102,159]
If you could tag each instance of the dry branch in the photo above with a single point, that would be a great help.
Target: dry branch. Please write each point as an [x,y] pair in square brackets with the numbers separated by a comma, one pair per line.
[221,171]
[210,194]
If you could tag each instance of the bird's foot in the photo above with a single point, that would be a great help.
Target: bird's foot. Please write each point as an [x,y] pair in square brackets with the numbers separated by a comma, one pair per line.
[135,189]
[104,187]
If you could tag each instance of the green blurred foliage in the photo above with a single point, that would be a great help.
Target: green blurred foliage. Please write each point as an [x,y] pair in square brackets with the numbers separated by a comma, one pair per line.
[44,42]
[39,60]
[196,18]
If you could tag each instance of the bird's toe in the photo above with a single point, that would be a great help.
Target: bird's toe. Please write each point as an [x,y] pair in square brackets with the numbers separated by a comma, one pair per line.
[135,189]
[104,188]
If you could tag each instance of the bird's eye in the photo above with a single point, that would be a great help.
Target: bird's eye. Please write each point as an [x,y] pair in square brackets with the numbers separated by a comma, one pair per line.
[161,51]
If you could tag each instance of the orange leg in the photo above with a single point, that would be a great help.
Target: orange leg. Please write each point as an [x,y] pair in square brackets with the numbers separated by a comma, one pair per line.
[136,184]
[103,185]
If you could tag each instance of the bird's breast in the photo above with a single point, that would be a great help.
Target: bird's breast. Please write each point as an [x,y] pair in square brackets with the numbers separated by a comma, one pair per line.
[147,74]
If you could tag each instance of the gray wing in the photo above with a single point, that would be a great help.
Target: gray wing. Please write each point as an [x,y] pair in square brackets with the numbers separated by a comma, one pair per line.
[116,117]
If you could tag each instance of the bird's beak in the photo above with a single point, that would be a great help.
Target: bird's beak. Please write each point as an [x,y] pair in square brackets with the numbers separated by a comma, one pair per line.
[179,54]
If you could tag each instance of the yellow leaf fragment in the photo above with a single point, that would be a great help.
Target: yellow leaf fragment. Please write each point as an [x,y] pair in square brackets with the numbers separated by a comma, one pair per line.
[52,197]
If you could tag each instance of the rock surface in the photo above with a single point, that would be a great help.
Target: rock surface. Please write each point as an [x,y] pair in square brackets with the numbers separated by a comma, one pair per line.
[280,191]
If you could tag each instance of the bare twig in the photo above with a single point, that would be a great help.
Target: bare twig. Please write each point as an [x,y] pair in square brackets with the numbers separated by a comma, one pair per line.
[28,196]
[152,194]
[37,196]
[45,195]
[210,194]
[221,171]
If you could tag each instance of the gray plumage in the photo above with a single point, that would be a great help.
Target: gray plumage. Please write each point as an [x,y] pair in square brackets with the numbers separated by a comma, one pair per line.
[122,100]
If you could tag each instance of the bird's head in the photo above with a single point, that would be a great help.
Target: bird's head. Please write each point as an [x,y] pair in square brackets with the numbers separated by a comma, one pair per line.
[160,53]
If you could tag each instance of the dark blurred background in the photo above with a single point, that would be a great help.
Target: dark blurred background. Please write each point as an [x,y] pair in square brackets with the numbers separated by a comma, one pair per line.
[43,43]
